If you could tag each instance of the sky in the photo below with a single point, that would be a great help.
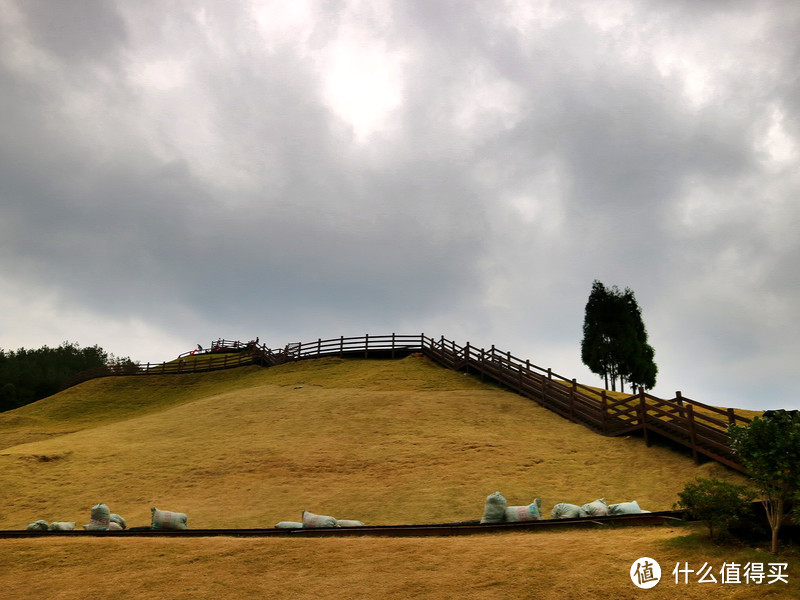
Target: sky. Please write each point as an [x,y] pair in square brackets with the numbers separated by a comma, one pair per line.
[176,172]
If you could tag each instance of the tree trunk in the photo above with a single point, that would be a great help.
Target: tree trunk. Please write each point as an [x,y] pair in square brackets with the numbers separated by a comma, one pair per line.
[775,518]
[774,548]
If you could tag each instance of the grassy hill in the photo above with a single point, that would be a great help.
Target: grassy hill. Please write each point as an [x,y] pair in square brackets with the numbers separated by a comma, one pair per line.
[385,442]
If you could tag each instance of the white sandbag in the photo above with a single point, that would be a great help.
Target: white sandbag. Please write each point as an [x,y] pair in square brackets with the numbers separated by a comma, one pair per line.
[597,508]
[39,525]
[100,518]
[114,518]
[494,510]
[348,523]
[61,526]
[101,514]
[532,512]
[114,526]
[165,519]
[289,525]
[310,520]
[562,510]
[624,508]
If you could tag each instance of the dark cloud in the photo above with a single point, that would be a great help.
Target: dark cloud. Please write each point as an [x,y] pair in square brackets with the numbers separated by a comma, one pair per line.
[197,170]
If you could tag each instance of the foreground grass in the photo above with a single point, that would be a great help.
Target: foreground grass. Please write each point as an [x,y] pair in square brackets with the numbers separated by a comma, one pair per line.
[571,564]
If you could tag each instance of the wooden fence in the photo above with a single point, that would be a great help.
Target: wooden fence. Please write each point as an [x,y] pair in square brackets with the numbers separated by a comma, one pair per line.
[699,427]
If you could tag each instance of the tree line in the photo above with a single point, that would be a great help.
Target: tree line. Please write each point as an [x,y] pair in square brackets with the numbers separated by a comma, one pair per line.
[28,375]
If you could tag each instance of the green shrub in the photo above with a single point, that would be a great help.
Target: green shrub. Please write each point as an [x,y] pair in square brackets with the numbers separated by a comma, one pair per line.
[717,503]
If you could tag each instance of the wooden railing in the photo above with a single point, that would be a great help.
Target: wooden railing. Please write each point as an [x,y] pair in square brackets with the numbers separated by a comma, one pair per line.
[699,427]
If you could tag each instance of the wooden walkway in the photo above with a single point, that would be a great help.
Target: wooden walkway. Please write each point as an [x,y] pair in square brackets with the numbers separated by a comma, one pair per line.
[699,427]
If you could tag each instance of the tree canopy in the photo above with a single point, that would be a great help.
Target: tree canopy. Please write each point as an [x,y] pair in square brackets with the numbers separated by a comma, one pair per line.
[769,448]
[30,375]
[614,343]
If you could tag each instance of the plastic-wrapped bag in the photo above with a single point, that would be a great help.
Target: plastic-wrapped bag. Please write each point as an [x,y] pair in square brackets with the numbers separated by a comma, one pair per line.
[348,523]
[597,508]
[562,510]
[113,518]
[39,525]
[310,520]
[494,510]
[289,525]
[165,519]
[100,519]
[625,508]
[61,526]
[532,512]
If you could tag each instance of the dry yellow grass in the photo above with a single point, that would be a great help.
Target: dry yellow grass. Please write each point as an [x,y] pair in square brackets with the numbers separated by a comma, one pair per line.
[574,564]
[385,442]
[382,442]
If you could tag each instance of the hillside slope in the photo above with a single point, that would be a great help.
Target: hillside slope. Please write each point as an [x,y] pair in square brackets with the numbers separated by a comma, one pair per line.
[385,442]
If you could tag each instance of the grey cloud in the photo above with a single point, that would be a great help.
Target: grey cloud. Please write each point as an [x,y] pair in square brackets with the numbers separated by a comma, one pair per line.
[76,31]
[234,197]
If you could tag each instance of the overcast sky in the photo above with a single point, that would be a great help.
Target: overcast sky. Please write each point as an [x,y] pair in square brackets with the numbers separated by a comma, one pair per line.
[175,172]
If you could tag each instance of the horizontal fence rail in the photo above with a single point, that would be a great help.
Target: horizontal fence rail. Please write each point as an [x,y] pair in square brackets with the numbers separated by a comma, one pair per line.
[699,427]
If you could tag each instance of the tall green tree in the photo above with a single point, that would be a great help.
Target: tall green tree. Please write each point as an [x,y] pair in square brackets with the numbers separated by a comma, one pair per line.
[29,375]
[614,343]
[769,448]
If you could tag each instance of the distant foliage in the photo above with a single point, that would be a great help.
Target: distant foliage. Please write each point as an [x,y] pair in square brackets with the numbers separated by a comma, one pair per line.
[614,343]
[30,375]
[719,504]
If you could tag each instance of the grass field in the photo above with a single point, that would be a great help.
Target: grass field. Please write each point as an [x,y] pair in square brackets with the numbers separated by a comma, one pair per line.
[385,442]
[567,564]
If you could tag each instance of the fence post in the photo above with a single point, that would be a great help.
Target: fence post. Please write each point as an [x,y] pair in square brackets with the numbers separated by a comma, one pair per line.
[466,356]
[549,373]
[679,401]
[319,347]
[392,344]
[692,433]
[731,417]
[366,345]
[341,346]
[527,371]
[643,416]
[572,403]
[483,360]
[604,406]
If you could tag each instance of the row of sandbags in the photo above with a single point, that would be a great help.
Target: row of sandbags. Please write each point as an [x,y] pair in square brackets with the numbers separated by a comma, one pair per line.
[598,508]
[312,521]
[496,510]
[102,519]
